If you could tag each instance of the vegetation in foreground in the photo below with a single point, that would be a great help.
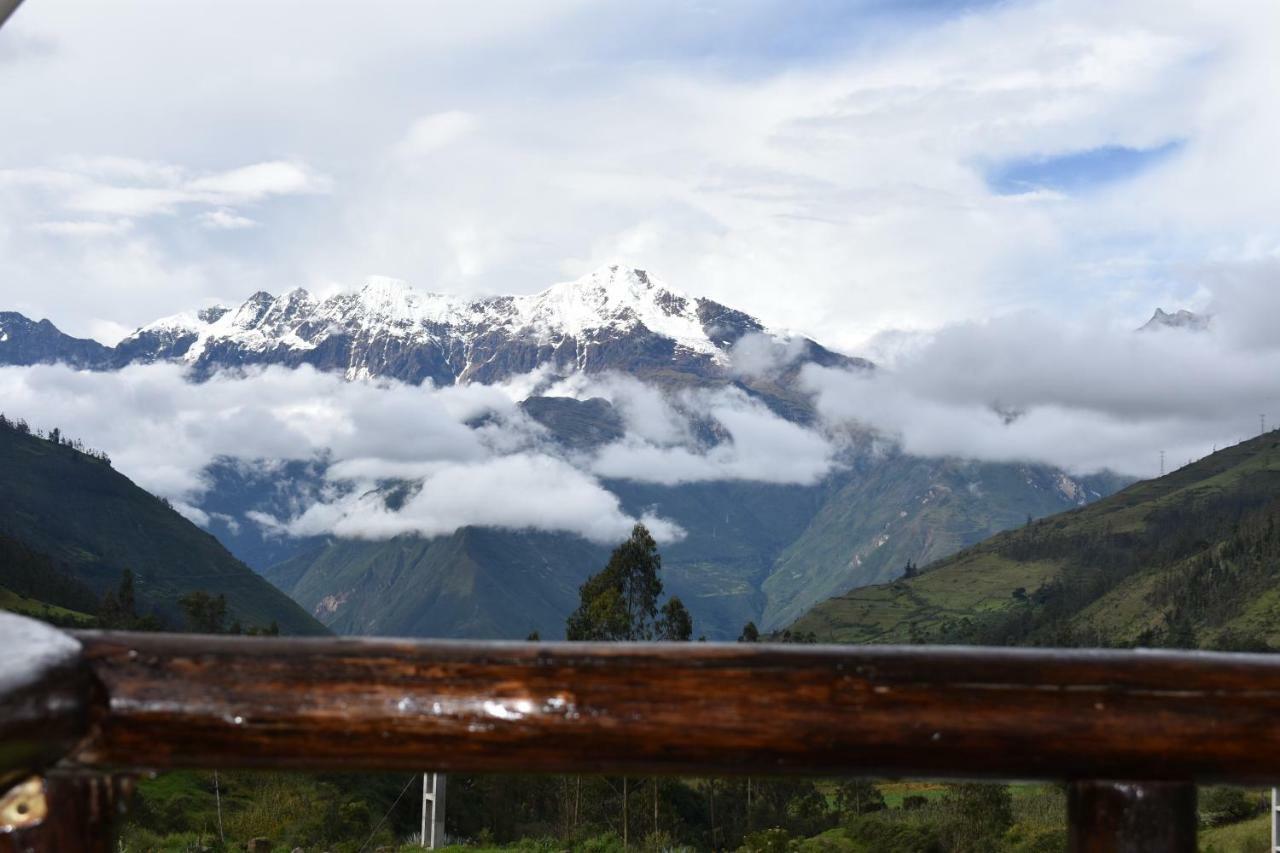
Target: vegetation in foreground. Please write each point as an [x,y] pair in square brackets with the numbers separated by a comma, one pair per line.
[345,814]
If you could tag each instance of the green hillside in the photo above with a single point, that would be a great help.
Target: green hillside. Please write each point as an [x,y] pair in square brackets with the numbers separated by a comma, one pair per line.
[69,513]
[1190,559]
[911,509]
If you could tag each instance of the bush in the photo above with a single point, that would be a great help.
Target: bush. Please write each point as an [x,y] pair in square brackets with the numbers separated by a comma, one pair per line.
[776,840]
[884,836]
[1222,805]
[607,843]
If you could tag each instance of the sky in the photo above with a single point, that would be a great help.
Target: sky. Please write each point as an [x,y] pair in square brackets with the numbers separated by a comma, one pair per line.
[986,198]
[839,168]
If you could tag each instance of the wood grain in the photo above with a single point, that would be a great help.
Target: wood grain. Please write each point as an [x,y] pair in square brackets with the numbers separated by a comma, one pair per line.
[183,701]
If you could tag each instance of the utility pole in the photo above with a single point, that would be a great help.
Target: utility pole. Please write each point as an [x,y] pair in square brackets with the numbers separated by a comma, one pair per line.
[1275,820]
[1161,463]
[1262,424]
[433,785]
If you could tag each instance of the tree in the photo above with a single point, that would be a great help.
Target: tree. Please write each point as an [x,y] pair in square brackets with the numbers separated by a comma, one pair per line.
[205,613]
[858,797]
[676,624]
[750,633]
[125,594]
[621,601]
[977,815]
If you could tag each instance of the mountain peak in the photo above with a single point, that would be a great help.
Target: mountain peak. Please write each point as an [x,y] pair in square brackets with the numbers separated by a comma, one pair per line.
[1180,319]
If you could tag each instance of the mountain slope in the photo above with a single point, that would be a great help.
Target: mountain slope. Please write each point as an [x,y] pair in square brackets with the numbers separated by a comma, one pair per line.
[1192,558]
[476,583]
[750,550]
[902,509]
[93,523]
[24,341]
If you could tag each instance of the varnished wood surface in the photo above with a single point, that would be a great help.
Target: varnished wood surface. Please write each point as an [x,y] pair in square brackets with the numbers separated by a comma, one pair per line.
[1131,817]
[79,814]
[188,701]
[45,692]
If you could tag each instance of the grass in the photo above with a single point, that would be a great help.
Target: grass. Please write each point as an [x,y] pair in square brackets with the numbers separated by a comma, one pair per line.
[15,603]
[1250,836]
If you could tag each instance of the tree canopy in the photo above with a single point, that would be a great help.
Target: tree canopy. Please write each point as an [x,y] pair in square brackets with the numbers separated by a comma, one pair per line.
[620,603]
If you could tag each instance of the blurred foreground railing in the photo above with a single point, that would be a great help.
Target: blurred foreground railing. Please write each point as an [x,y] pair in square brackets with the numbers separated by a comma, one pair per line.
[1131,731]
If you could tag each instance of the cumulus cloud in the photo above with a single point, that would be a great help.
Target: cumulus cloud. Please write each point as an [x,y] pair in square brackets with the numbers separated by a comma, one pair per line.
[516,491]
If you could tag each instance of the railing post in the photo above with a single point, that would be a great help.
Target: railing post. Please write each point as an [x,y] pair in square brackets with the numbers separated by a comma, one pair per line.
[1132,817]
[64,812]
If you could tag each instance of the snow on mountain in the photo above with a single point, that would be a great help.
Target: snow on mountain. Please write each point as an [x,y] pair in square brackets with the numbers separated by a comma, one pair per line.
[613,318]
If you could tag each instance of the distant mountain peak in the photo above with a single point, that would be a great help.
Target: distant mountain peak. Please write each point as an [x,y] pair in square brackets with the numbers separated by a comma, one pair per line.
[1180,319]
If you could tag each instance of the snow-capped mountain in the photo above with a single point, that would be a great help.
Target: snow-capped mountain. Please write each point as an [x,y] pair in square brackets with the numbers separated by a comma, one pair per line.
[613,319]
[1180,319]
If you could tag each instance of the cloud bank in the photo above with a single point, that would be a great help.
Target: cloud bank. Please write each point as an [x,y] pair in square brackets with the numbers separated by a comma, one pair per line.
[1032,387]
[452,457]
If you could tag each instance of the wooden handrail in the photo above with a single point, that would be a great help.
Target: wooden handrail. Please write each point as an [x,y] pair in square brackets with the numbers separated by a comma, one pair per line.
[954,712]
[111,704]
[45,696]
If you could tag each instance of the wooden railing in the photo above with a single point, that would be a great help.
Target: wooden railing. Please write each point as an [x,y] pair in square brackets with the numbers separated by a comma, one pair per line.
[1131,731]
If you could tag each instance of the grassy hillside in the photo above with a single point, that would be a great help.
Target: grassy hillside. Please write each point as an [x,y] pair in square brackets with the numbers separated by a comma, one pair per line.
[88,523]
[1191,559]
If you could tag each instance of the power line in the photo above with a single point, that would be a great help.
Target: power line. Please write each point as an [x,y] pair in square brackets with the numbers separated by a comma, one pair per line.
[411,780]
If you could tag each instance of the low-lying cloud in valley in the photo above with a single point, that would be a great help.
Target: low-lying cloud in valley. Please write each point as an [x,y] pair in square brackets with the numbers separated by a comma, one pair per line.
[466,455]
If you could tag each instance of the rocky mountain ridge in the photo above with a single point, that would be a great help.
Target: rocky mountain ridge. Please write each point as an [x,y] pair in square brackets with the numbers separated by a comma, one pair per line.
[612,319]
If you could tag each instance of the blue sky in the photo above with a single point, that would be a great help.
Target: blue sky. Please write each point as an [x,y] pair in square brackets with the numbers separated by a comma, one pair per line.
[1076,172]
[838,168]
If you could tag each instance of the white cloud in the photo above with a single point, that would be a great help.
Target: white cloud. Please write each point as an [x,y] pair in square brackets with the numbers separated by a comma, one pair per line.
[226,220]
[765,356]
[84,228]
[1035,388]
[515,492]
[163,432]
[431,133]
[758,446]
